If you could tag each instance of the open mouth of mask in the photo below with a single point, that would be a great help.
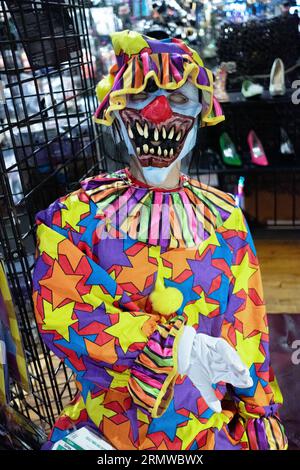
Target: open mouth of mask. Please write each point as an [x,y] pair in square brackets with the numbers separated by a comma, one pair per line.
[156,144]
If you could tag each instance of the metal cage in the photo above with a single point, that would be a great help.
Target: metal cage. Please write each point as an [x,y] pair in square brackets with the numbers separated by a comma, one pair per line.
[48,143]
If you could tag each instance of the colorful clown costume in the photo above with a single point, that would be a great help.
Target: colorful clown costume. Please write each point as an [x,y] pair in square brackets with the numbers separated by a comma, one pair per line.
[102,251]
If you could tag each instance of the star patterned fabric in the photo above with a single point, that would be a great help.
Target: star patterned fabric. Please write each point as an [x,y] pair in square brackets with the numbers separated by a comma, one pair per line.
[92,285]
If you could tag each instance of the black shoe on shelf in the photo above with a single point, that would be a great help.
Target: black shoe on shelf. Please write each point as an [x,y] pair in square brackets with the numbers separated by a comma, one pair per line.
[210,160]
[286,146]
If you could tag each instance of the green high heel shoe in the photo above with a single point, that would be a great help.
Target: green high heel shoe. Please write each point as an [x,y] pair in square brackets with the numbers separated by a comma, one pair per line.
[228,151]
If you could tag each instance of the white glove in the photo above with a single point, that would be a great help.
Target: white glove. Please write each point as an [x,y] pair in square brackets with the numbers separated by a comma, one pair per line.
[207,360]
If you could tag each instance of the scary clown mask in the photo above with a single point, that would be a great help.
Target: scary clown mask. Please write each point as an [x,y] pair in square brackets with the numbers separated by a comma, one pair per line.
[159,92]
[160,128]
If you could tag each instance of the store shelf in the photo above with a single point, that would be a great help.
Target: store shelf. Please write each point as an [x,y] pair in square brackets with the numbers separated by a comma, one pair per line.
[248,169]
[236,99]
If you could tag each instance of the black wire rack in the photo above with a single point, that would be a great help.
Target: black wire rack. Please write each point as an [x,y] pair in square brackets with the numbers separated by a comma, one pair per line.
[48,143]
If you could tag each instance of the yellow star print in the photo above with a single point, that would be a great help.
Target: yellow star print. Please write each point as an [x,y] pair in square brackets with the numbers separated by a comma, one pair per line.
[211,240]
[59,319]
[73,212]
[142,417]
[193,427]
[201,306]
[242,273]
[48,240]
[236,221]
[96,410]
[120,379]
[96,297]
[128,330]
[248,349]
[73,411]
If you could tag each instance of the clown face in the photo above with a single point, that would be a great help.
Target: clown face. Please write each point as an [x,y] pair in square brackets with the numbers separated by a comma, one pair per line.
[159,127]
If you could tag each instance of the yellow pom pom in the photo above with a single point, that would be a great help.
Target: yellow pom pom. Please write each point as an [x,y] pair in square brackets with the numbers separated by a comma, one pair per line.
[128,42]
[104,86]
[166,300]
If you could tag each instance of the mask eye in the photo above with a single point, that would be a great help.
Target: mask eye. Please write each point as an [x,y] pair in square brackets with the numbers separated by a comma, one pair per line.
[139,96]
[177,98]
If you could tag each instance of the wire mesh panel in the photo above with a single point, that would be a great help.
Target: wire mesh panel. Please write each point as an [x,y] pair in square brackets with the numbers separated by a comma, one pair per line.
[48,143]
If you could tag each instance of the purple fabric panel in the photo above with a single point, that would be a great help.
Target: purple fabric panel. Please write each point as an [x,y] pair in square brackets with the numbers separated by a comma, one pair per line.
[177,60]
[96,183]
[261,434]
[202,78]
[224,214]
[266,364]
[40,271]
[159,47]
[271,410]
[46,215]
[222,442]
[95,373]
[186,396]
[165,342]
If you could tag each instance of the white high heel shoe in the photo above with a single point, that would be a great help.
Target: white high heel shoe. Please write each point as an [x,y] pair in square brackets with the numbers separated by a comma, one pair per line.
[277,79]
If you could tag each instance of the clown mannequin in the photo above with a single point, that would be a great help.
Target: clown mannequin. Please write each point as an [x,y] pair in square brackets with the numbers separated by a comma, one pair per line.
[147,283]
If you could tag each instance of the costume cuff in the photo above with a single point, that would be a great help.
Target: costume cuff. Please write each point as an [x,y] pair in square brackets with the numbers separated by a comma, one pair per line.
[154,372]
[264,430]
[266,433]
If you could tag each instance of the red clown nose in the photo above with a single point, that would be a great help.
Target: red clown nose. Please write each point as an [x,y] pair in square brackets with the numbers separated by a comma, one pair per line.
[158,110]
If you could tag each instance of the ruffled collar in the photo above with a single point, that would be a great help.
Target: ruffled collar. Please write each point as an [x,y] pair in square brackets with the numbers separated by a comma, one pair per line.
[180,217]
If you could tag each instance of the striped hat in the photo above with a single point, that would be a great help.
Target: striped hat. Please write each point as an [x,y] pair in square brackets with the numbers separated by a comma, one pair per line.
[169,62]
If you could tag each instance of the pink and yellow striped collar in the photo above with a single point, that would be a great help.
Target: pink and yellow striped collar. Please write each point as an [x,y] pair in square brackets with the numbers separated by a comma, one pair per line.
[178,218]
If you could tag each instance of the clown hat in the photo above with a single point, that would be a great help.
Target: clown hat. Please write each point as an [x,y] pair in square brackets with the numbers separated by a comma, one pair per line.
[169,62]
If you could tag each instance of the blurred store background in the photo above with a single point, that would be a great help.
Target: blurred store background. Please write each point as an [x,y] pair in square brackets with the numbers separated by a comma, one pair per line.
[52,54]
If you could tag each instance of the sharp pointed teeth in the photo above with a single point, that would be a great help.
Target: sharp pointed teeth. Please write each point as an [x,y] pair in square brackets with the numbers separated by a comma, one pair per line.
[165,153]
[171,133]
[164,133]
[159,151]
[178,137]
[139,129]
[156,134]
[152,151]
[145,148]
[146,131]
[129,132]
[171,153]
[138,151]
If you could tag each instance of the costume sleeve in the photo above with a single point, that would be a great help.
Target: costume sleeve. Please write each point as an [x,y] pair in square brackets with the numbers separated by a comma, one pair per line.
[246,328]
[88,321]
